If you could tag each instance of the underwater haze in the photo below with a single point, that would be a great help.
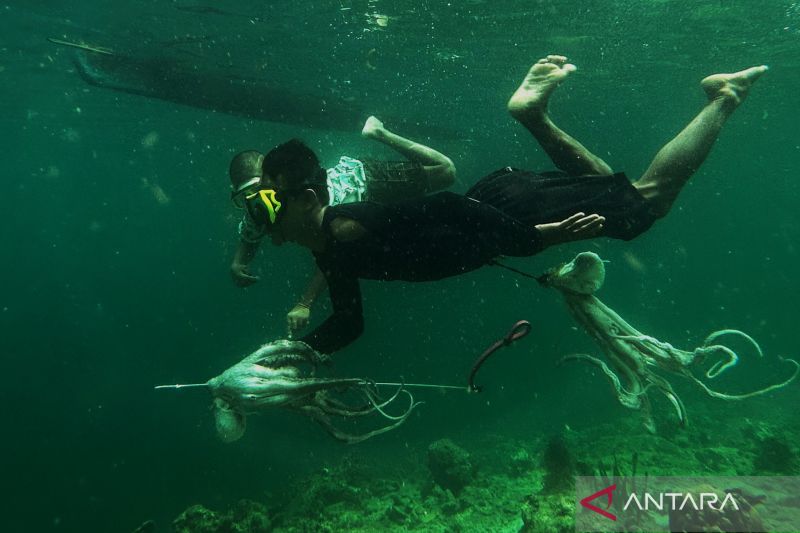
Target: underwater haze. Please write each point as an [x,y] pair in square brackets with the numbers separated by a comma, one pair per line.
[118,233]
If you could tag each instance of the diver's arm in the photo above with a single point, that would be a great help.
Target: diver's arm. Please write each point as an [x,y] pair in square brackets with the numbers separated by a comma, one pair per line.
[300,314]
[250,235]
[346,323]
[245,253]
[315,287]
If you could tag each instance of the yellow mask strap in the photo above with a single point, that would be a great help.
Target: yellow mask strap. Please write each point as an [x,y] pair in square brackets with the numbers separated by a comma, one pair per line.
[267,197]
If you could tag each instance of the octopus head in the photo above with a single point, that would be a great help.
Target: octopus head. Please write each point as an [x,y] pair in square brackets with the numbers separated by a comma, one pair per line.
[229,422]
[583,275]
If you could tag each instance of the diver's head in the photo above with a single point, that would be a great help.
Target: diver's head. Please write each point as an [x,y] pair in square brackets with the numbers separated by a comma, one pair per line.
[292,190]
[296,167]
[245,174]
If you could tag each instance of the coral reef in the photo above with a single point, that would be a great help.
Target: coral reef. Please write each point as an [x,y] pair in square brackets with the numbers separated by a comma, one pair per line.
[548,513]
[506,483]
[552,509]
[450,465]
[775,455]
[245,517]
[197,519]
[520,462]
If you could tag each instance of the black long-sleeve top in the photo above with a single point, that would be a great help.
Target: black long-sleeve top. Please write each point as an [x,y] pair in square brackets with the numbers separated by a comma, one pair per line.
[425,239]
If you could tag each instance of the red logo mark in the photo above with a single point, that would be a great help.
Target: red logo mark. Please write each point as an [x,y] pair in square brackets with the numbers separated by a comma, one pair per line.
[609,492]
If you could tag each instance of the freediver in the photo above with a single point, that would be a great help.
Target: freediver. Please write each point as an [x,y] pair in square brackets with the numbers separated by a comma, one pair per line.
[351,180]
[510,212]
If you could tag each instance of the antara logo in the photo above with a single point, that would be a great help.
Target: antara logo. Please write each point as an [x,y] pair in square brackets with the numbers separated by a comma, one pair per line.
[671,501]
[609,493]
[678,501]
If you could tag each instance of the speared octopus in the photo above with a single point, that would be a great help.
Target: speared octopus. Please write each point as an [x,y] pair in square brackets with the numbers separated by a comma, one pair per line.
[282,374]
[632,357]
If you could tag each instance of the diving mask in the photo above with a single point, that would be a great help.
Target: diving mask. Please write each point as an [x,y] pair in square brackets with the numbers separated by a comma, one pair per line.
[239,194]
[263,206]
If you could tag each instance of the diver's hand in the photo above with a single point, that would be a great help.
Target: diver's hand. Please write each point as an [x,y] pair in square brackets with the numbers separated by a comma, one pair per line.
[298,318]
[241,275]
[578,226]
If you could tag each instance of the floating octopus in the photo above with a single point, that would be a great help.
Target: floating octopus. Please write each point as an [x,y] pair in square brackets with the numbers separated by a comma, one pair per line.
[282,374]
[632,356]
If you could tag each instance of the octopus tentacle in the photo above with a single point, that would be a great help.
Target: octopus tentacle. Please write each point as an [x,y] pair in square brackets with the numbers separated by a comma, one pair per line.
[370,388]
[318,416]
[336,407]
[716,334]
[646,339]
[379,407]
[626,398]
[722,365]
[656,350]
[666,389]
[374,403]
[711,392]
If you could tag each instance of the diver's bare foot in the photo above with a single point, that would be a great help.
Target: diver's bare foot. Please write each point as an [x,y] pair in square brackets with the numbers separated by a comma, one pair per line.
[531,97]
[373,128]
[733,87]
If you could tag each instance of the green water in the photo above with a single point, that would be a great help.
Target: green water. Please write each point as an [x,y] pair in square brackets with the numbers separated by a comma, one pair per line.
[117,235]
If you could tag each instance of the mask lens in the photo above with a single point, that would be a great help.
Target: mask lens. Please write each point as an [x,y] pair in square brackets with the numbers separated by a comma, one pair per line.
[238,200]
[239,194]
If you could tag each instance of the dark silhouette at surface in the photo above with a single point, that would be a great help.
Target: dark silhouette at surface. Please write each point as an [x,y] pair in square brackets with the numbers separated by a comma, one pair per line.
[193,85]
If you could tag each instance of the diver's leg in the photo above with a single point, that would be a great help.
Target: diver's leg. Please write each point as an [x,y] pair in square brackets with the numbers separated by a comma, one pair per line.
[439,170]
[675,163]
[529,106]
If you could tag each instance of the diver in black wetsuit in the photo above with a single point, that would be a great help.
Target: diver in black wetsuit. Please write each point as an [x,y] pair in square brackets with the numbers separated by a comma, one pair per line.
[422,171]
[510,212]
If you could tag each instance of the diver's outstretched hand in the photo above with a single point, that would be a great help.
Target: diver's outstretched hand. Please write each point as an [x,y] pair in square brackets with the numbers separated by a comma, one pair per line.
[575,228]
[241,275]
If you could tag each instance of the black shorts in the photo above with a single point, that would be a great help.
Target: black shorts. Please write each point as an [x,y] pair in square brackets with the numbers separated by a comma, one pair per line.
[391,181]
[553,196]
